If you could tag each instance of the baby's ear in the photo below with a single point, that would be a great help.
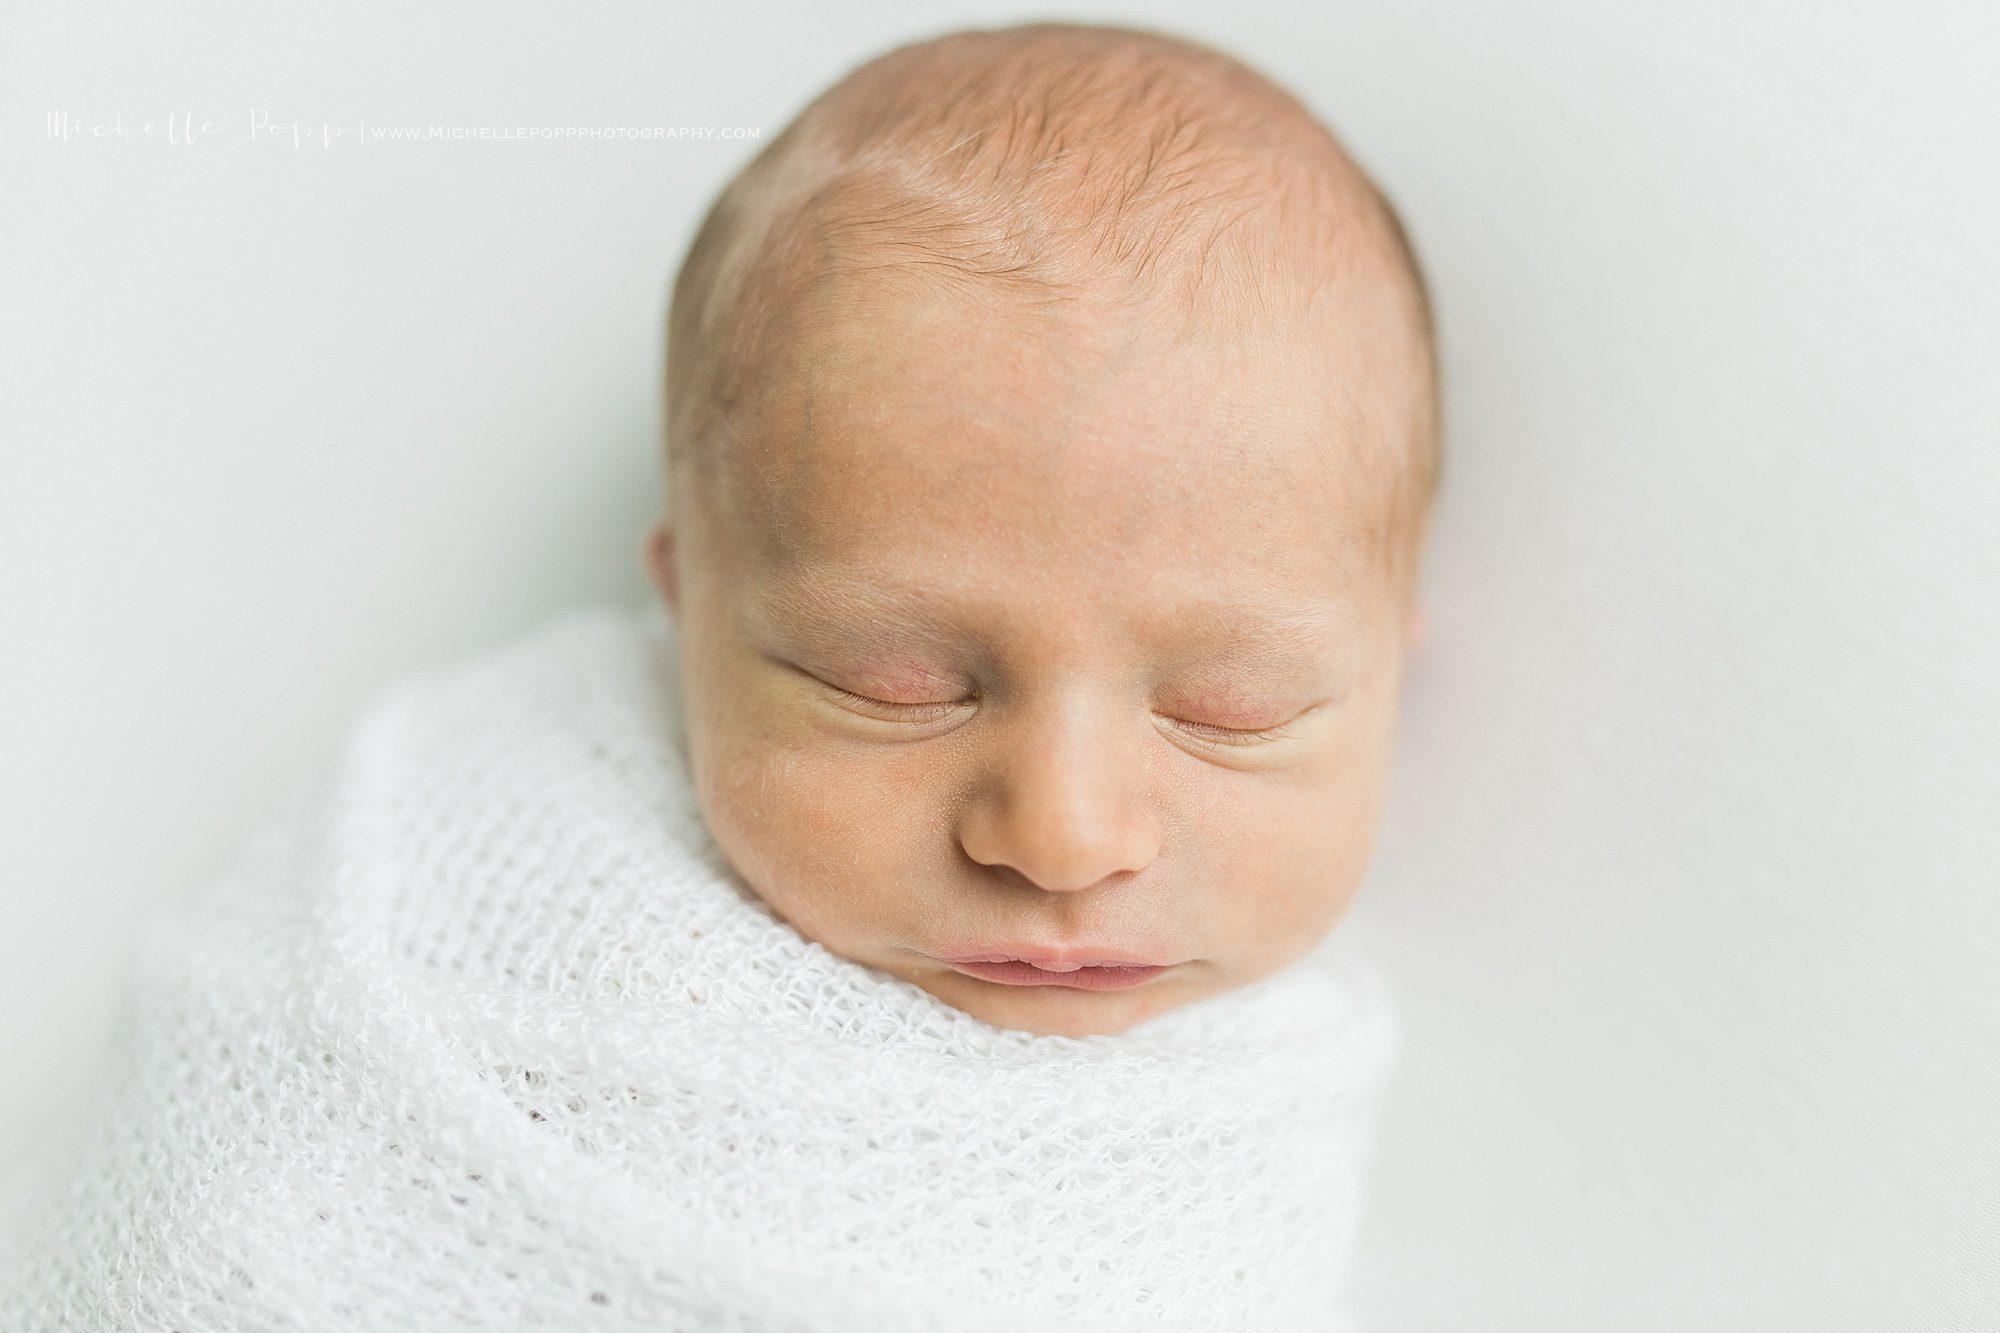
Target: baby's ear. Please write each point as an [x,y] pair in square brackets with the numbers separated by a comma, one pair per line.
[660,564]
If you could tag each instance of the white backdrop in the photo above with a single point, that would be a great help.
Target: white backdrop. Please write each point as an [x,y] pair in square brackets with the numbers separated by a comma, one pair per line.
[1689,883]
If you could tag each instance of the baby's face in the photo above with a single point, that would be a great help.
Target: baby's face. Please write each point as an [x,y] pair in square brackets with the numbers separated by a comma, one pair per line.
[1016,634]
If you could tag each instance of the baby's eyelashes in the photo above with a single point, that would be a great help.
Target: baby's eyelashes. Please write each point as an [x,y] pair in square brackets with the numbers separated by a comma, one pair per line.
[929,712]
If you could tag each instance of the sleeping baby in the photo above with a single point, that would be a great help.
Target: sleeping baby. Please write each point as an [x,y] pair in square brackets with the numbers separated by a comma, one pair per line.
[1051,432]
[923,913]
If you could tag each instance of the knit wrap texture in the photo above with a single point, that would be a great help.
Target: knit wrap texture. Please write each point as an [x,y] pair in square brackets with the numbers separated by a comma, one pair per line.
[481,1031]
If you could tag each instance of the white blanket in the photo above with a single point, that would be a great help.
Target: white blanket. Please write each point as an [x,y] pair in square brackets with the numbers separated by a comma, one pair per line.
[486,1035]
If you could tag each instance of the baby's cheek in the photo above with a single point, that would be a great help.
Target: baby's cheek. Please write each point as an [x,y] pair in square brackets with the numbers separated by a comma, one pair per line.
[804,829]
[1296,871]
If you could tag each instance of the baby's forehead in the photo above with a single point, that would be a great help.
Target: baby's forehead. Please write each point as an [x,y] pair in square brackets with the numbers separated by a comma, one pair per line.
[1099,385]
[1013,532]
[1029,190]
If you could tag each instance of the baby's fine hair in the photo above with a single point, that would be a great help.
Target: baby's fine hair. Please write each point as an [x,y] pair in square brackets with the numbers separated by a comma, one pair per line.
[1047,162]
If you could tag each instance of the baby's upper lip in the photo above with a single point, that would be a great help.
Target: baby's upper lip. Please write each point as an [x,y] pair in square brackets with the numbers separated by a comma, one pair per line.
[1056,959]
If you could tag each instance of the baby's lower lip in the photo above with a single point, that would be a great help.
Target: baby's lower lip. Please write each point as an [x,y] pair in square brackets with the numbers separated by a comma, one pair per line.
[1084,978]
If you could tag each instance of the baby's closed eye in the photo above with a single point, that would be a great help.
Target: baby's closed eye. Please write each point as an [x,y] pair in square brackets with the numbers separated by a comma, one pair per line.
[1233,722]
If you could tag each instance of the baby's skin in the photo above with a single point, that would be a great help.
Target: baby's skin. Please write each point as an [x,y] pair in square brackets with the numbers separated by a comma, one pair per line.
[1068,630]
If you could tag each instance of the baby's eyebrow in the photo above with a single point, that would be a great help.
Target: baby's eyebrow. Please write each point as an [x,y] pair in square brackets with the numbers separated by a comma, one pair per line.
[1280,629]
[1273,627]
[809,601]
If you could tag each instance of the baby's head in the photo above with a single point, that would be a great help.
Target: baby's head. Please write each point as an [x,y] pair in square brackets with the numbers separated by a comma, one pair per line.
[1052,430]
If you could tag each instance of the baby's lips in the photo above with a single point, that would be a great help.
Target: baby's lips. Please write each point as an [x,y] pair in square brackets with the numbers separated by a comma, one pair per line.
[1057,959]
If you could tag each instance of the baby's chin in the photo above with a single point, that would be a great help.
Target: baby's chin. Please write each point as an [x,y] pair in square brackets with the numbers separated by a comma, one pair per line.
[1063,1010]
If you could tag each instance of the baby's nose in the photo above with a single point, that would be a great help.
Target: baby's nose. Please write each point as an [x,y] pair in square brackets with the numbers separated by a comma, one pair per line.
[1064,807]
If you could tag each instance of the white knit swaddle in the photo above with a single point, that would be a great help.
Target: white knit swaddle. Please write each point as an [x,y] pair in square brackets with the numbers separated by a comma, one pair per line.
[489,1036]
